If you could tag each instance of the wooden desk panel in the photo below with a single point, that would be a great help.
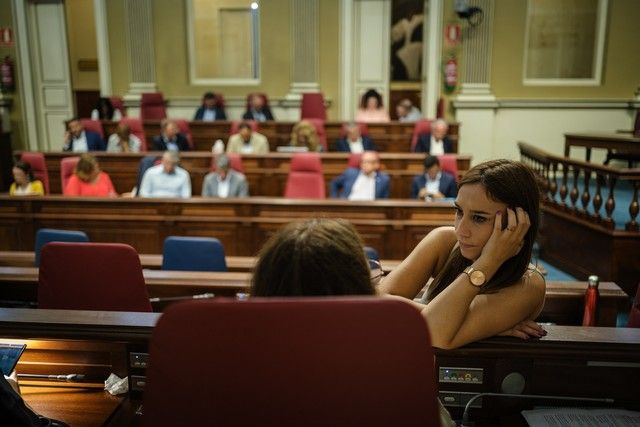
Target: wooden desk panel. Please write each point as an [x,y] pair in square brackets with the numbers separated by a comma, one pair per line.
[610,141]
[242,225]
[393,137]
[563,304]
[266,174]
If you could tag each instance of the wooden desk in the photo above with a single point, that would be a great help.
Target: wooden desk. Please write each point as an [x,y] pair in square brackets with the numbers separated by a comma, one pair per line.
[563,303]
[393,227]
[609,141]
[393,137]
[266,174]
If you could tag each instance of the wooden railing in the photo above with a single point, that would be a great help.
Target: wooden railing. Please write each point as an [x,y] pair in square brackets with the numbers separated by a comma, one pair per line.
[560,176]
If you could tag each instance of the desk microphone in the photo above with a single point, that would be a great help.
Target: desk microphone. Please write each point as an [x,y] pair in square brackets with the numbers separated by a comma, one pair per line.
[199,296]
[70,378]
[465,415]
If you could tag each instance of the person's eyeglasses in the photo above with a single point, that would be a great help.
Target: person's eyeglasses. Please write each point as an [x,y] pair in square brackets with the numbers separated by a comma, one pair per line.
[376,272]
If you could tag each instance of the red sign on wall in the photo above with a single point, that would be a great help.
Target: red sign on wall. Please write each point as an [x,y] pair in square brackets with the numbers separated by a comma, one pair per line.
[6,36]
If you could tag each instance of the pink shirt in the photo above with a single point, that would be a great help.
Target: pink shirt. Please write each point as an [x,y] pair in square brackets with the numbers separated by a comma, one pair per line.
[102,187]
[372,116]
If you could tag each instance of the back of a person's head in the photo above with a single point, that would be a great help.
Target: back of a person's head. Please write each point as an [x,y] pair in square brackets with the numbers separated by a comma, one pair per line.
[317,257]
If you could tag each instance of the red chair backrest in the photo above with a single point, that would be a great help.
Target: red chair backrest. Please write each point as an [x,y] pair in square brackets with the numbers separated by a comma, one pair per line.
[322,135]
[183,127]
[235,126]
[38,167]
[152,106]
[305,180]
[93,126]
[67,167]
[118,104]
[354,160]
[422,126]
[312,106]
[449,163]
[359,361]
[235,162]
[634,314]
[137,129]
[91,276]
[364,129]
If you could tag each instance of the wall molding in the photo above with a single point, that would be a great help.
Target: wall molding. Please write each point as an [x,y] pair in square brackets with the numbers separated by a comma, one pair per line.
[525,103]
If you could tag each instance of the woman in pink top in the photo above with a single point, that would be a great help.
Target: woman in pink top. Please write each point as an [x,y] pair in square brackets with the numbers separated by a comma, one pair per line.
[371,109]
[88,180]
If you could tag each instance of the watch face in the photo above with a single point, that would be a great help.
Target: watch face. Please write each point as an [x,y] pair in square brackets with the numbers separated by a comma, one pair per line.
[477,278]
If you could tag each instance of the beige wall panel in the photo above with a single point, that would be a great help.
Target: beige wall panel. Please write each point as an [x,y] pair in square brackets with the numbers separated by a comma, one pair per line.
[81,33]
[329,54]
[117,47]
[621,61]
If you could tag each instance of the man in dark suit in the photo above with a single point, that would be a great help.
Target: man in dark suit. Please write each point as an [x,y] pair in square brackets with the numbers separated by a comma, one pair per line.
[78,140]
[366,183]
[437,142]
[258,109]
[170,139]
[354,142]
[434,183]
[210,110]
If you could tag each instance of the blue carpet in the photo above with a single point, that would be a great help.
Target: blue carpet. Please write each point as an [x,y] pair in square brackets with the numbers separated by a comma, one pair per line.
[622,194]
[554,273]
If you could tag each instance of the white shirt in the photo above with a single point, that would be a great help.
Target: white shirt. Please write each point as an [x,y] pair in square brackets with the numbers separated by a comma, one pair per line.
[437,147]
[356,146]
[209,115]
[223,186]
[117,115]
[364,188]
[157,183]
[80,144]
[433,185]
[113,145]
[247,148]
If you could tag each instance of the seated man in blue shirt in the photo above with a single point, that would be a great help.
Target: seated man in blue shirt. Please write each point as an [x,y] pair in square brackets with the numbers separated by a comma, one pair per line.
[434,183]
[366,183]
[166,179]
[170,139]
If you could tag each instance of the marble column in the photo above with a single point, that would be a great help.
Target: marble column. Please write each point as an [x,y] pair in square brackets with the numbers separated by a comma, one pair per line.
[140,52]
[304,47]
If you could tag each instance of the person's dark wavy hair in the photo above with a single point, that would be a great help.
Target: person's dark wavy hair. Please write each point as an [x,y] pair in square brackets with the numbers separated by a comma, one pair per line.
[515,185]
[369,94]
[105,102]
[26,168]
[317,257]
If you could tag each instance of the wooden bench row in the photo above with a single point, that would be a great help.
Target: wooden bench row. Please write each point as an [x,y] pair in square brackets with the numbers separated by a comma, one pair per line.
[266,174]
[393,137]
[563,304]
[242,225]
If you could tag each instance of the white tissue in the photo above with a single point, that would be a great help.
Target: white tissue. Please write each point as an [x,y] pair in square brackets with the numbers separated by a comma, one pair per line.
[116,385]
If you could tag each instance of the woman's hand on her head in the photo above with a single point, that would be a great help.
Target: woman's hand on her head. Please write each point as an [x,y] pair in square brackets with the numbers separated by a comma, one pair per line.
[525,330]
[506,243]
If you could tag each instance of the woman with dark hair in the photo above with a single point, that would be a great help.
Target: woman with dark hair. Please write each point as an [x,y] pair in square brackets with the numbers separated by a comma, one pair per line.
[317,257]
[24,183]
[371,108]
[483,284]
[104,111]
[89,180]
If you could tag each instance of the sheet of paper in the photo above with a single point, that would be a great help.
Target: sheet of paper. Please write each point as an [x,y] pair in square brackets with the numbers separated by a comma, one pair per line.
[581,417]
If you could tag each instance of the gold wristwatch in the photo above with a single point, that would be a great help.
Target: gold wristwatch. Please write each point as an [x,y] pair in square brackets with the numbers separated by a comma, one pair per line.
[476,277]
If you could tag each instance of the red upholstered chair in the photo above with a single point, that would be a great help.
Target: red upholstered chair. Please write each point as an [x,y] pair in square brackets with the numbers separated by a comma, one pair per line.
[67,166]
[38,167]
[305,180]
[93,126]
[183,127]
[312,106]
[118,104]
[357,361]
[634,314]
[235,161]
[152,106]
[235,126]
[322,135]
[364,129]
[91,276]
[137,129]
[354,160]
[422,126]
[449,163]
